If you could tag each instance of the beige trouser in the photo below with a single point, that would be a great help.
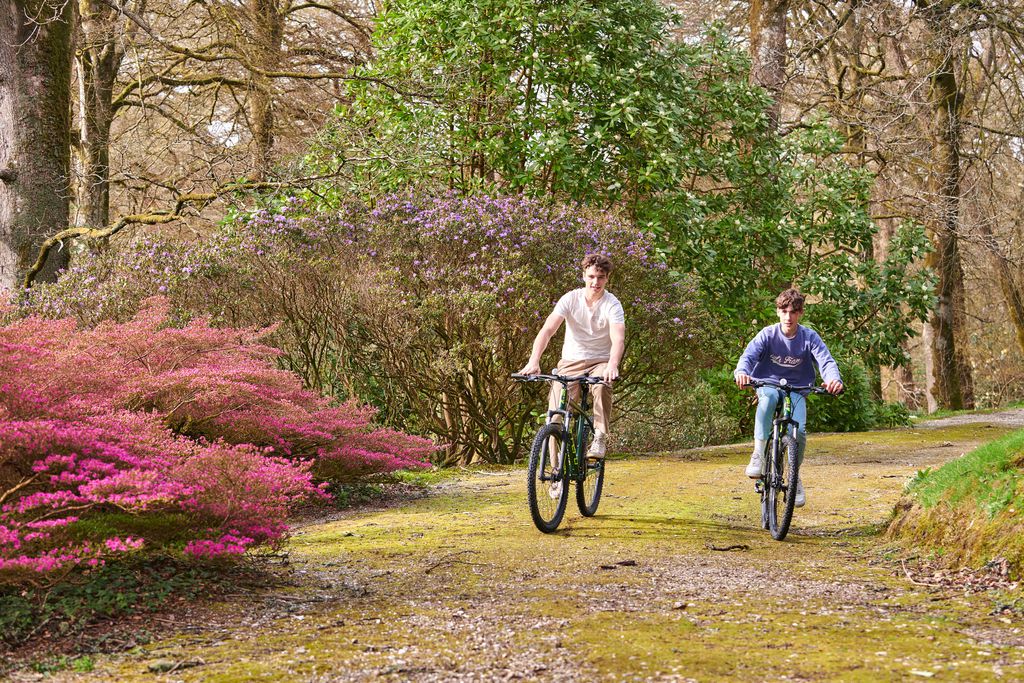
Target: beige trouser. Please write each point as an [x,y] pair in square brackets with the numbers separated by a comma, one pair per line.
[602,393]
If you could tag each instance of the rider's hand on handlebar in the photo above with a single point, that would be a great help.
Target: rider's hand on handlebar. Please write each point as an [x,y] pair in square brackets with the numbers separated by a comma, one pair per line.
[742,380]
[833,386]
[611,373]
[530,368]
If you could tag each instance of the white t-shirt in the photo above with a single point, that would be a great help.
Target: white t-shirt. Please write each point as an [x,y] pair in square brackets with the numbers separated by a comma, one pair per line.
[588,329]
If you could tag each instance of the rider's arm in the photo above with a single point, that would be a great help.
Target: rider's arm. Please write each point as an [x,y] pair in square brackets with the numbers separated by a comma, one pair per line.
[618,335]
[548,331]
[827,365]
[751,354]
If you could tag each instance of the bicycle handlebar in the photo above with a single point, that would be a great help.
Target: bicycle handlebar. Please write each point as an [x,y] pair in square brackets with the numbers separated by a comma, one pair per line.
[564,379]
[785,386]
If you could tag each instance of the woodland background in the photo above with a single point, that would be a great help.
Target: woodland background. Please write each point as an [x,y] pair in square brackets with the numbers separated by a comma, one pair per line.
[867,151]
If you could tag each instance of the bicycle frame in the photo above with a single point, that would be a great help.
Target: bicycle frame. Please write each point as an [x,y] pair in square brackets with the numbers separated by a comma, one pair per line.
[782,424]
[784,417]
[576,425]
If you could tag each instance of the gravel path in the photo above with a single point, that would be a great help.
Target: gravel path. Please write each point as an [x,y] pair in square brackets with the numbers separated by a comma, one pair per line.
[1006,418]
[673,580]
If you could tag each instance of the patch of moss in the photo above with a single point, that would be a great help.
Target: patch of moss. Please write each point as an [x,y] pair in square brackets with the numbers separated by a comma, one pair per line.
[461,581]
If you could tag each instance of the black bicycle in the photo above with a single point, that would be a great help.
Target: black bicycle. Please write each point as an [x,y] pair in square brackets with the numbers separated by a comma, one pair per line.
[559,456]
[778,486]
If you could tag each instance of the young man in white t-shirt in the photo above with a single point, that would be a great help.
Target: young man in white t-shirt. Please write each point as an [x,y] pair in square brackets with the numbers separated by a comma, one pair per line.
[595,335]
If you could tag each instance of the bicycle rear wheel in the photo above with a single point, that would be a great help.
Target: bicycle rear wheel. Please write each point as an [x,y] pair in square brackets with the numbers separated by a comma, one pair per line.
[782,487]
[591,481]
[546,486]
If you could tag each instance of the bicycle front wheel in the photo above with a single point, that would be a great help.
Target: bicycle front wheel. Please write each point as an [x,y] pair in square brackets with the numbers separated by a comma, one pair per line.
[546,486]
[591,481]
[782,488]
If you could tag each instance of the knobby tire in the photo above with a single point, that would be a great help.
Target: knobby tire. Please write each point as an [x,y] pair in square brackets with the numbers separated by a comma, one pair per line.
[591,483]
[546,512]
[788,472]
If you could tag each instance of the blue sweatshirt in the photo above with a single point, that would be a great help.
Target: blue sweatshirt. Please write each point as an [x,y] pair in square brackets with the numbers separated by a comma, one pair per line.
[772,355]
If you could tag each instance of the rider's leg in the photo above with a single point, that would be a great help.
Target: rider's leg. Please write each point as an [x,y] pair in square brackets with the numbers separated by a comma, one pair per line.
[570,368]
[554,403]
[602,399]
[602,394]
[800,415]
[767,399]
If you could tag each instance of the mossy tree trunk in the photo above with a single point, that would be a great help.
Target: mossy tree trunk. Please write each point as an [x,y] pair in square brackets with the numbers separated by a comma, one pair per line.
[35,128]
[268,24]
[101,41]
[853,82]
[951,377]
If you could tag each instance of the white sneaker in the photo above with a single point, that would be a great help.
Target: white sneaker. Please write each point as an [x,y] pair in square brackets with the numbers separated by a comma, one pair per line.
[555,490]
[755,470]
[801,498]
[597,446]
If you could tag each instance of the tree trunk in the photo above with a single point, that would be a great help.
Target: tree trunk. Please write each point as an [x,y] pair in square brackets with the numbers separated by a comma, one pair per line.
[952,373]
[268,19]
[768,50]
[1012,293]
[97,59]
[35,125]
[857,147]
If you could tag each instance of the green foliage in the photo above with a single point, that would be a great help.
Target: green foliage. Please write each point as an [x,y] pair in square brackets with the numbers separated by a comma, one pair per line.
[83,664]
[852,411]
[737,405]
[85,597]
[593,100]
[349,495]
[688,413]
[889,414]
[597,102]
[808,226]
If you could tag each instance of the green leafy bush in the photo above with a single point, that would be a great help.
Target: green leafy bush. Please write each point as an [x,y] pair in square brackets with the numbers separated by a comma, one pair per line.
[852,411]
[85,597]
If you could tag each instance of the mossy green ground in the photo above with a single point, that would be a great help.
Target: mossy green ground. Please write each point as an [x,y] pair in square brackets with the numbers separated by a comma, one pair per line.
[460,586]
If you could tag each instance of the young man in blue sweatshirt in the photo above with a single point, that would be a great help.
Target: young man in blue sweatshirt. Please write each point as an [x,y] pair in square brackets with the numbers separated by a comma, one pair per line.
[787,351]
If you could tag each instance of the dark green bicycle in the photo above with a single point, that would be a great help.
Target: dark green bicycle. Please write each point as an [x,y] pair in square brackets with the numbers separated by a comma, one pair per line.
[778,486]
[559,456]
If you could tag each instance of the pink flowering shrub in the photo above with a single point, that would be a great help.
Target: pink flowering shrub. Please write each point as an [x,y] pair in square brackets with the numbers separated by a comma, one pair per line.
[138,435]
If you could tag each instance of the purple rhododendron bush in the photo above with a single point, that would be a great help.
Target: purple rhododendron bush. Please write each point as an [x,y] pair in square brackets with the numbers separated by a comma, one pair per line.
[419,305]
[142,436]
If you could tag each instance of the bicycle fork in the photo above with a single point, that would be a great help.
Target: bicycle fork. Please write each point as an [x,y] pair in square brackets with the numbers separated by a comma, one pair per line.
[770,458]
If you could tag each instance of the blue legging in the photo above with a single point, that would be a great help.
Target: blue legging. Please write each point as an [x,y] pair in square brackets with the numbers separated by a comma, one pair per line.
[767,398]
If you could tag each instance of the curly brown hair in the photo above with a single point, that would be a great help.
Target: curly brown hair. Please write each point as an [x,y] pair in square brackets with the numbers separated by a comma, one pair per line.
[599,261]
[790,297]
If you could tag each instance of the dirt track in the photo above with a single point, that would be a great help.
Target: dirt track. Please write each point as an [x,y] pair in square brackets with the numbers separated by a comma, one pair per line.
[460,586]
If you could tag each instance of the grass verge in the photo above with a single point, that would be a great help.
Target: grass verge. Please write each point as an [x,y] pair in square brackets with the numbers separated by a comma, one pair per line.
[968,511]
